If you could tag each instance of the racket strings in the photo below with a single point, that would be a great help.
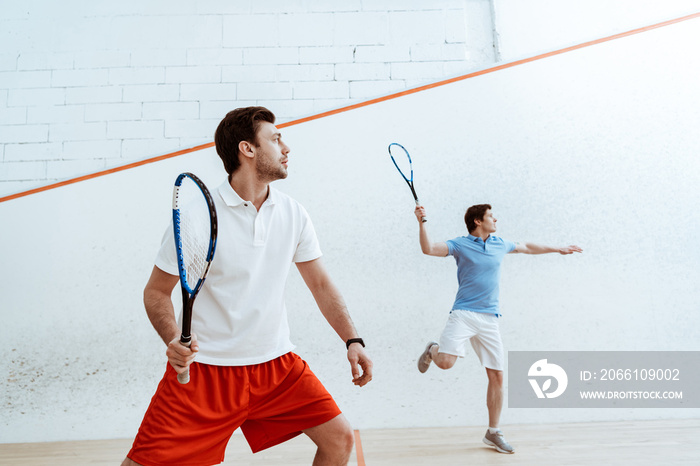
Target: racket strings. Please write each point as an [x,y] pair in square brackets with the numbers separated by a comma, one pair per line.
[195,246]
[195,231]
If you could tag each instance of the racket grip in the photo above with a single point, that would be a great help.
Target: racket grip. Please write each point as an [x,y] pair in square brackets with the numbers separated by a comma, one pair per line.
[184,377]
[423,219]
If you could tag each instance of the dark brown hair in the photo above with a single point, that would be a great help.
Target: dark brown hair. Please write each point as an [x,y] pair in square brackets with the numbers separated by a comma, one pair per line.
[475,212]
[239,125]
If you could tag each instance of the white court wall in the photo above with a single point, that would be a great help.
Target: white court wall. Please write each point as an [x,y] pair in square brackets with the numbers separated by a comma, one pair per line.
[530,27]
[91,85]
[596,147]
[157,76]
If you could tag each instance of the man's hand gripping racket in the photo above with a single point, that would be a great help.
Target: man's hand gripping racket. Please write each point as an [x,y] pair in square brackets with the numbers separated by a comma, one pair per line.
[195,227]
[402,161]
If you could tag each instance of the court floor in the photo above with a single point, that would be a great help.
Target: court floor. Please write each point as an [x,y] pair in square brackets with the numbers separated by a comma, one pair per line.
[665,442]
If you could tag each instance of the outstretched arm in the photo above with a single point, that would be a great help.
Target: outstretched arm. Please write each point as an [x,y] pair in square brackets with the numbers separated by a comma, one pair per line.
[532,248]
[427,246]
[333,308]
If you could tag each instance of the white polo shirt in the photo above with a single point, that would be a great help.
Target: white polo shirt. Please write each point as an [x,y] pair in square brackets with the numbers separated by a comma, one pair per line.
[239,316]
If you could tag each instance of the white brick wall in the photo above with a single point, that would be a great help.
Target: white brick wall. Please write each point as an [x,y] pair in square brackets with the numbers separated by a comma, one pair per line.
[91,95]
[25,79]
[24,133]
[113,111]
[108,83]
[31,152]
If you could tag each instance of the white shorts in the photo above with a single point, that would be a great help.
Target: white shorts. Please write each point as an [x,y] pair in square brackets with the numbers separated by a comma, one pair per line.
[482,330]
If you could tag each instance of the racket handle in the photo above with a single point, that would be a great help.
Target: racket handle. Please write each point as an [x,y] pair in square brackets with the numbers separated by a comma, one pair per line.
[184,377]
[423,219]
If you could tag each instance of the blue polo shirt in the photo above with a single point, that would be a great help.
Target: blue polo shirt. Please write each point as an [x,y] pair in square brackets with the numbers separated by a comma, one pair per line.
[478,271]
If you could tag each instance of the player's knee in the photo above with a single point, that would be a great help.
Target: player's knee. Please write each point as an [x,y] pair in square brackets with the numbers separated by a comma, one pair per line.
[345,438]
[341,441]
[445,361]
[495,377]
[444,364]
[348,440]
[339,447]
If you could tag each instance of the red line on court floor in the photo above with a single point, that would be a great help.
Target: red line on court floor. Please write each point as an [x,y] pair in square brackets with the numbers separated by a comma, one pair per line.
[358,449]
[363,104]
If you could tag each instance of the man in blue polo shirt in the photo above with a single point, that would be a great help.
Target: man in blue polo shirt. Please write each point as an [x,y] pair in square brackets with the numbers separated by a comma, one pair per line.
[475,313]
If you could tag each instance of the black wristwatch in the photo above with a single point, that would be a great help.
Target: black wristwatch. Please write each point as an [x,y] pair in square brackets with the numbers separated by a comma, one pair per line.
[354,340]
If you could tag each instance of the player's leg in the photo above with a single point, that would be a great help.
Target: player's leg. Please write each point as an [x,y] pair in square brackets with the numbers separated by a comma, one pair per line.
[432,354]
[494,401]
[494,396]
[334,440]
[457,332]
[442,360]
[488,346]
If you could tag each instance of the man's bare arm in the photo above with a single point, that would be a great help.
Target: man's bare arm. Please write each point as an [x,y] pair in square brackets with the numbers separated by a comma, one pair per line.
[333,308]
[532,248]
[427,246]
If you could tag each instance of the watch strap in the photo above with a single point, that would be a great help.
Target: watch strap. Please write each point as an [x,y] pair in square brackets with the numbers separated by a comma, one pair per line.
[354,340]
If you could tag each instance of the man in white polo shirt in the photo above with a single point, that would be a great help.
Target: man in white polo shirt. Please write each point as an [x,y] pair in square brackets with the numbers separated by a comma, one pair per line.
[243,371]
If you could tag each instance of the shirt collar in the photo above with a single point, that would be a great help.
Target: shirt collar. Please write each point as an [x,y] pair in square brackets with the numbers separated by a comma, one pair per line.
[477,239]
[232,199]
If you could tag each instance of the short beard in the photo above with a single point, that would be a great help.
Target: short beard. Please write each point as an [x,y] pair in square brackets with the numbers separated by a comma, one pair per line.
[268,173]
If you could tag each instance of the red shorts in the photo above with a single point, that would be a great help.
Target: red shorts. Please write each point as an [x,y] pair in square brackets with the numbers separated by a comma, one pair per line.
[191,424]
